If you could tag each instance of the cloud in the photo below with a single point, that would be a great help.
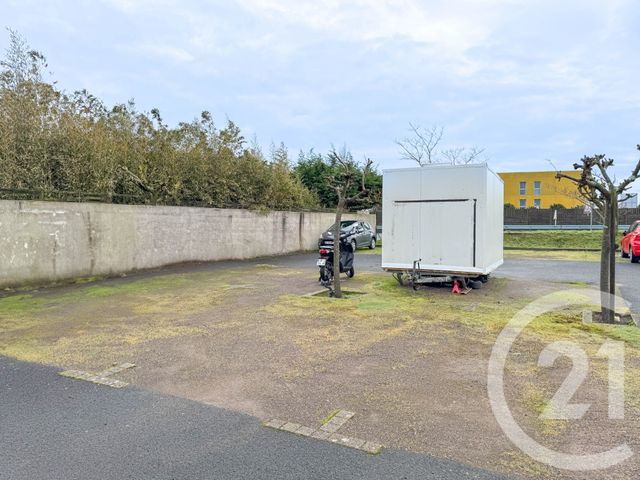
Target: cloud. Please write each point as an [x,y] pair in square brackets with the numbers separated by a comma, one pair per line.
[435,24]
[525,79]
[169,52]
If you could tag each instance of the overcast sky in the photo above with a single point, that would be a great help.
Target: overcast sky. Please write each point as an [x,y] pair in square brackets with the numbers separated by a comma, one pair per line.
[526,80]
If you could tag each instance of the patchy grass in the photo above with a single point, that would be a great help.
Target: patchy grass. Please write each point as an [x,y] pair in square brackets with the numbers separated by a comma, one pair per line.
[487,311]
[536,401]
[236,339]
[53,284]
[519,461]
[72,326]
[46,326]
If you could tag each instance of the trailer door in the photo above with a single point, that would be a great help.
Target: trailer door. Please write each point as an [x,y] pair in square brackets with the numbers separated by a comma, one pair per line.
[405,232]
[447,233]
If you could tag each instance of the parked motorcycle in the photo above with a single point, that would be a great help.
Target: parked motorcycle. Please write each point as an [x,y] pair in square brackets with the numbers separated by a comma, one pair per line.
[325,262]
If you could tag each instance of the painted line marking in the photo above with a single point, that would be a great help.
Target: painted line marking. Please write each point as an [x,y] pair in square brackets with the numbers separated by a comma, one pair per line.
[101,378]
[327,432]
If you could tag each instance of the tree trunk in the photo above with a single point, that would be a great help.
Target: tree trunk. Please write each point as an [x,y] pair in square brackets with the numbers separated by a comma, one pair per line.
[337,288]
[613,241]
[605,266]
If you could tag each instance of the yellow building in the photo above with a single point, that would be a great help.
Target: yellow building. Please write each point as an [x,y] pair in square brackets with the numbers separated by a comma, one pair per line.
[539,189]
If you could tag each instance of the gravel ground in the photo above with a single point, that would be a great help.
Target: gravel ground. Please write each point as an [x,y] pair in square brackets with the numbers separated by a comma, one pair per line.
[243,336]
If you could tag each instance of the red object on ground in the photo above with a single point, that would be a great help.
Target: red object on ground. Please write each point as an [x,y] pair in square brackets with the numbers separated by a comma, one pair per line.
[456,287]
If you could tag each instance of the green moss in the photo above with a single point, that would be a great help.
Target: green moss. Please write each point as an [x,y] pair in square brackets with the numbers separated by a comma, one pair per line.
[326,419]
[18,304]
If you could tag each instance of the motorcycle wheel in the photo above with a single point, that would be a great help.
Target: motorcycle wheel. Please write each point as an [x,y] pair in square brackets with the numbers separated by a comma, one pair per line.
[326,274]
[323,274]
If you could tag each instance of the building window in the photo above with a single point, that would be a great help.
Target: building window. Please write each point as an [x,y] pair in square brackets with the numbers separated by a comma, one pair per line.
[523,189]
[523,203]
[536,203]
[536,188]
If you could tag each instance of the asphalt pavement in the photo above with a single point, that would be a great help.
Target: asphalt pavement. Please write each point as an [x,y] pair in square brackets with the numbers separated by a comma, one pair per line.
[627,274]
[53,428]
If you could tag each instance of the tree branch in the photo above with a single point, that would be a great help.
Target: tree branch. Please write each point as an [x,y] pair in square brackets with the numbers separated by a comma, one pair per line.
[632,178]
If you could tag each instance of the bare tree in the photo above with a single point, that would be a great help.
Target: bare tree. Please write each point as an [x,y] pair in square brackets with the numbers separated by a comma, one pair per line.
[349,174]
[462,155]
[596,186]
[422,147]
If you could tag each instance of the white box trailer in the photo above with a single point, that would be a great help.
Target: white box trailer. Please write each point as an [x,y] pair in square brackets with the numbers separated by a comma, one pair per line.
[442,220]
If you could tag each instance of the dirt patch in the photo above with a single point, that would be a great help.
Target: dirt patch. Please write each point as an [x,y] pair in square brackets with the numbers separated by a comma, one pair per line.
[412,365]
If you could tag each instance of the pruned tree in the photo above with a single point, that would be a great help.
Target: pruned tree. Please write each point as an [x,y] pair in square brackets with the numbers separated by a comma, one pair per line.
[422,147]
[597,186]
[347,175]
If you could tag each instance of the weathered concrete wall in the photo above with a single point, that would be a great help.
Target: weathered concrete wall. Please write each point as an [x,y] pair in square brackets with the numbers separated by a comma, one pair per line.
[47,241]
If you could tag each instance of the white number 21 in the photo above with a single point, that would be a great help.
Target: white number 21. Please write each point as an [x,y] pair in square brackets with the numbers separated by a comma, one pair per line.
[559,407]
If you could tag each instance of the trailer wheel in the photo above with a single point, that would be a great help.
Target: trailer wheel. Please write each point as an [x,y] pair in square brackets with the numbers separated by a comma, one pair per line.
[475,284]
[483,278]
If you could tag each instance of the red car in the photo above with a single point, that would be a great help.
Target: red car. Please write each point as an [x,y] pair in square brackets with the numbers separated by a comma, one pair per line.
[630,243]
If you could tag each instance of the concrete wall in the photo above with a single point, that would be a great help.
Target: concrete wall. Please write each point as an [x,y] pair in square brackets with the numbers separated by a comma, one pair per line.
[47,241]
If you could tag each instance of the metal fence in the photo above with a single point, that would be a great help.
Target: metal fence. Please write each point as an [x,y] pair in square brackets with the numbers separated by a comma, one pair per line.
[568,216]
[67,196]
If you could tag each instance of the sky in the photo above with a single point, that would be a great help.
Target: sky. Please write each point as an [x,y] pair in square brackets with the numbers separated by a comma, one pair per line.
[528,81]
